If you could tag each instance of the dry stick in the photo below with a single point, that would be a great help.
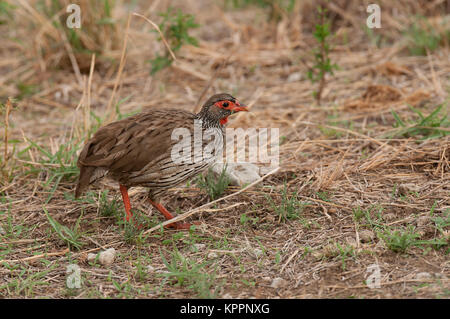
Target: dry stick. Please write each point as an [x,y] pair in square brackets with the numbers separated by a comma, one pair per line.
[59,253]
[87,109]
[7,111]
[201,208]
[119,72]
[160,33]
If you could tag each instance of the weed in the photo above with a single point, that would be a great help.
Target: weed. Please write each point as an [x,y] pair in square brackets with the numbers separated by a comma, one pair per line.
[69,236]
[399,240]
[212,185]
[344,253]
[188,272]
[422,37]
[431,126]
[55,167]
[323,64]
[278,8]
[175,27]
[289,208]
[109,208]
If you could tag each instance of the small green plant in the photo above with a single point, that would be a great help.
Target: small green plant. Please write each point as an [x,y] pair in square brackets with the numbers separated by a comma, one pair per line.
[5,11]
[278,8]
[175,27]
[323,65]
[57,166]
[214,186]
[188,272]
[428,127]
[344,253]
[109,208]
[289,208]
[422,37]
[399,240]
[69,236]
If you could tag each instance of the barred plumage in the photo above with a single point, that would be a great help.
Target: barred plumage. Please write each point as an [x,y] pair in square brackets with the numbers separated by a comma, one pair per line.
[137,151]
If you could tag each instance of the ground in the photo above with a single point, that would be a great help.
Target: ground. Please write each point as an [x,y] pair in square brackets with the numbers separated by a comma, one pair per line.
[363,186]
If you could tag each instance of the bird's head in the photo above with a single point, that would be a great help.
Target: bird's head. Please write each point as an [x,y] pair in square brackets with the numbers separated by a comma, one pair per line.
[219,106]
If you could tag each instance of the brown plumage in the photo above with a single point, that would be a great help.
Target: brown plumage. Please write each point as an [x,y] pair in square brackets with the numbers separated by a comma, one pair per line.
[137,151]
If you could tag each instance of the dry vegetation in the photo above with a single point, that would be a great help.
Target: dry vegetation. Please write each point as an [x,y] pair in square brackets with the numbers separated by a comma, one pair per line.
[364,177]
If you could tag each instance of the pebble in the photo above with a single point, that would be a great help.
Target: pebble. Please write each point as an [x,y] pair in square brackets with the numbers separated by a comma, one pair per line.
[198,247]
[423,275]
[150,268]
[258,252]
[2,231]
[422,221]
[227,296]
[294,77]
[278,283]
[212,255]
[366,236]
[105,258]
[239,174]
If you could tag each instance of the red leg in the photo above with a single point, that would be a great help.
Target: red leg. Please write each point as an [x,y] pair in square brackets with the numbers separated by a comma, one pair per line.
[168,216]
[126,202]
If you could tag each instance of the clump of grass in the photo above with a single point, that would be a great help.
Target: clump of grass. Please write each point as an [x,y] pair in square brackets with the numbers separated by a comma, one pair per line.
[55,167]
[289,207]
[399,240]
[278,8]
[423,37]
[182,271]
[69,236]
[322,62]
[109,208]
[214,186]
[175,27]
[428,127]
[6,11]
[6,110]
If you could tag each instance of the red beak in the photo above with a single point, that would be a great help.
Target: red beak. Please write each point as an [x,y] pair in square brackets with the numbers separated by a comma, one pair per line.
[239,108]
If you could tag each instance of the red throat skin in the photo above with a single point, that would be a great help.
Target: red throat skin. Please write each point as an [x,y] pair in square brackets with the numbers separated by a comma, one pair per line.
[224,121]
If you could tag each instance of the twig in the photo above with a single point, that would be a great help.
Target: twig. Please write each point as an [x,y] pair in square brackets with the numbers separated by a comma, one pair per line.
[160,33]
[119,72]
[202,208]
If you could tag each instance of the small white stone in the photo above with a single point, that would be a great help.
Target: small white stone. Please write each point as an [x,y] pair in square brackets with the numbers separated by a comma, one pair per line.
[422,221]
[198,247]
[278,283]
[227,296]
[240,174]
[212,255]
[294,77]
[423,275]
[150,268]
[91,257]
[106,257]
[366,235]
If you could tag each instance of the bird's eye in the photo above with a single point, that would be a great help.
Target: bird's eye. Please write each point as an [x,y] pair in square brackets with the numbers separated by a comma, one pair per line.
[225,104]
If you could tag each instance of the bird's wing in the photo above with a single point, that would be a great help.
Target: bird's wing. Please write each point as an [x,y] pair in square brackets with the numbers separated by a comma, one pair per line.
[130,144]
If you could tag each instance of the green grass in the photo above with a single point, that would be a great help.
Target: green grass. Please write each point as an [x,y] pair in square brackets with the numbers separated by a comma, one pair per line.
[189,273]
[322,62]
[423,37]
[214,186]
[289,207]
[71,236]
[434,125]
[56,167]
[175,27]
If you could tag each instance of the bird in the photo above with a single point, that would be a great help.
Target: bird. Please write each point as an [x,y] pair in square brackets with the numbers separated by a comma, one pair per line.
[139,150]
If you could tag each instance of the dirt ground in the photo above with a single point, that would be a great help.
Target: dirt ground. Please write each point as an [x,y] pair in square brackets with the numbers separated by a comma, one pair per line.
[360,207]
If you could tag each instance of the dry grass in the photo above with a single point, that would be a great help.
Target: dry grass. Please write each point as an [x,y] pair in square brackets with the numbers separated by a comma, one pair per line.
[363,190]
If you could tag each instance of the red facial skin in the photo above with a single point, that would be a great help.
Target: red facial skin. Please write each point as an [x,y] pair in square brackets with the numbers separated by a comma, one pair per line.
[234,107]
